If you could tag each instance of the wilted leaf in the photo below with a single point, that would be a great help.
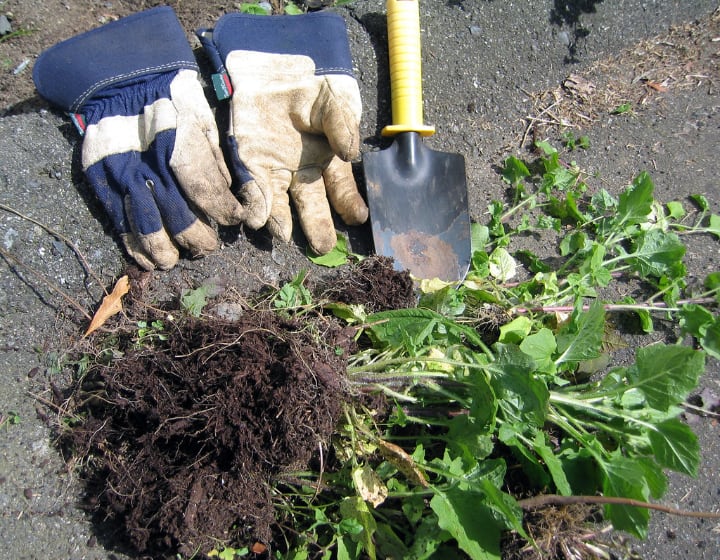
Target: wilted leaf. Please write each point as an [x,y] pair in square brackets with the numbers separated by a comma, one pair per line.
[111,305]
[369,485]
[403,462]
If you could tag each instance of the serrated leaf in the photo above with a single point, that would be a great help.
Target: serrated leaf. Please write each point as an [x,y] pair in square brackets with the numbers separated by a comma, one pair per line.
[675,446]
[582,339]
[411,327]
[656,253]
[471,523]
[666,374]
[195,300]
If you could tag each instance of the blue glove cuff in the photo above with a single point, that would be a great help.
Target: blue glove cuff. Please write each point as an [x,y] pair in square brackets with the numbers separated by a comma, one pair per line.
[320,35]
[150,42]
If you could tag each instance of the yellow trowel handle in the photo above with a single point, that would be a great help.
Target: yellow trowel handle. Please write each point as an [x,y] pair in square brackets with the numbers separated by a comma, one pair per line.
[403,22]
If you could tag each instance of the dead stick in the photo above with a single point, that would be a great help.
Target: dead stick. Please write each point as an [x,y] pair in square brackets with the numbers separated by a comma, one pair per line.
[12,259]
[59,236]
[554,499]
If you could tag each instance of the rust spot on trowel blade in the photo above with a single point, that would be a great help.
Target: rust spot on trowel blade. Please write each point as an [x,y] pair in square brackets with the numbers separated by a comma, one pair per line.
[425,256]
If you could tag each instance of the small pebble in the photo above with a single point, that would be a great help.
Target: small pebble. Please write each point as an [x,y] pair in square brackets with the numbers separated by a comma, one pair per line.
[5,26]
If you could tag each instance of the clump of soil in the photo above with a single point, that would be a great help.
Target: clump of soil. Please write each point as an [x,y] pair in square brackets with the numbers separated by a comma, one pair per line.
[375,284]
[181,435]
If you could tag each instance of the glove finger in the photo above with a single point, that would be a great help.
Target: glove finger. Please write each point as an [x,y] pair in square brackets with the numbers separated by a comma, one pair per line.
[279,223]
[311,203]
[255,190]
[178,217]
[341,110]
[136,218]
[197,159]
[135,249]
[343,192]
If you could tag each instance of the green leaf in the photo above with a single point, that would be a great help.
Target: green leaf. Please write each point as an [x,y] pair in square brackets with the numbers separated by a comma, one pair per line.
[514,171]
[479,236]
[253,8]
[355,510]
[427,538]
[676,210]
[412,328]
[469,439]
[712,281]
[195,300]
[635,203]
[656,253]
[695,319]
[388,544]
[675,446]
[339,255]
[622,109]
[666,374]
[540,346]
[625,478]
[516,330]
[293,293]
[292,10]
[502,265]
[532,261]
[522,396]
[710,341]
[714,225]
[701,202]
[552,462]
[581,339]
[471,523]
[574,243]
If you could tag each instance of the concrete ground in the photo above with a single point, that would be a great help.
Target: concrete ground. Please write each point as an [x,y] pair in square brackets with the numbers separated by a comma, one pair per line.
[488,68]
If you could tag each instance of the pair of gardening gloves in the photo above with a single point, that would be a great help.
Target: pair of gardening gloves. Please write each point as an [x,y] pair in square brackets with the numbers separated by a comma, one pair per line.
[151,148]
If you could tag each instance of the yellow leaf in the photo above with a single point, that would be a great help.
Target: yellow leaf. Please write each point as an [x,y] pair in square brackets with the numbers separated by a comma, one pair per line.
[111,305]
[369,485]
[403,462]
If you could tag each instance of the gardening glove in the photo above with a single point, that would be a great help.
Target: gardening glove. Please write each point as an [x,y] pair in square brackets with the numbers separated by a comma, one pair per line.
[151,146]
[294,118]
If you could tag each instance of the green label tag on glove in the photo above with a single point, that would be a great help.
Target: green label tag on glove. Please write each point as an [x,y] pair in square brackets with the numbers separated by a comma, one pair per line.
[222,85]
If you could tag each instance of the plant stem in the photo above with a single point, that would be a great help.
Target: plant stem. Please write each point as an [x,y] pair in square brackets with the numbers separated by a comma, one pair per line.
[554,499]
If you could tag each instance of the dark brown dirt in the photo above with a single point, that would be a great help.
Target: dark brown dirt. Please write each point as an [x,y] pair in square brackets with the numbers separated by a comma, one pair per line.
[374,284]
[179,440]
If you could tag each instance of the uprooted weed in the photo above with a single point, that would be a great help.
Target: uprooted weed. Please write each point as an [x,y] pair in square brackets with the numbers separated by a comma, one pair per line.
[182,429]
